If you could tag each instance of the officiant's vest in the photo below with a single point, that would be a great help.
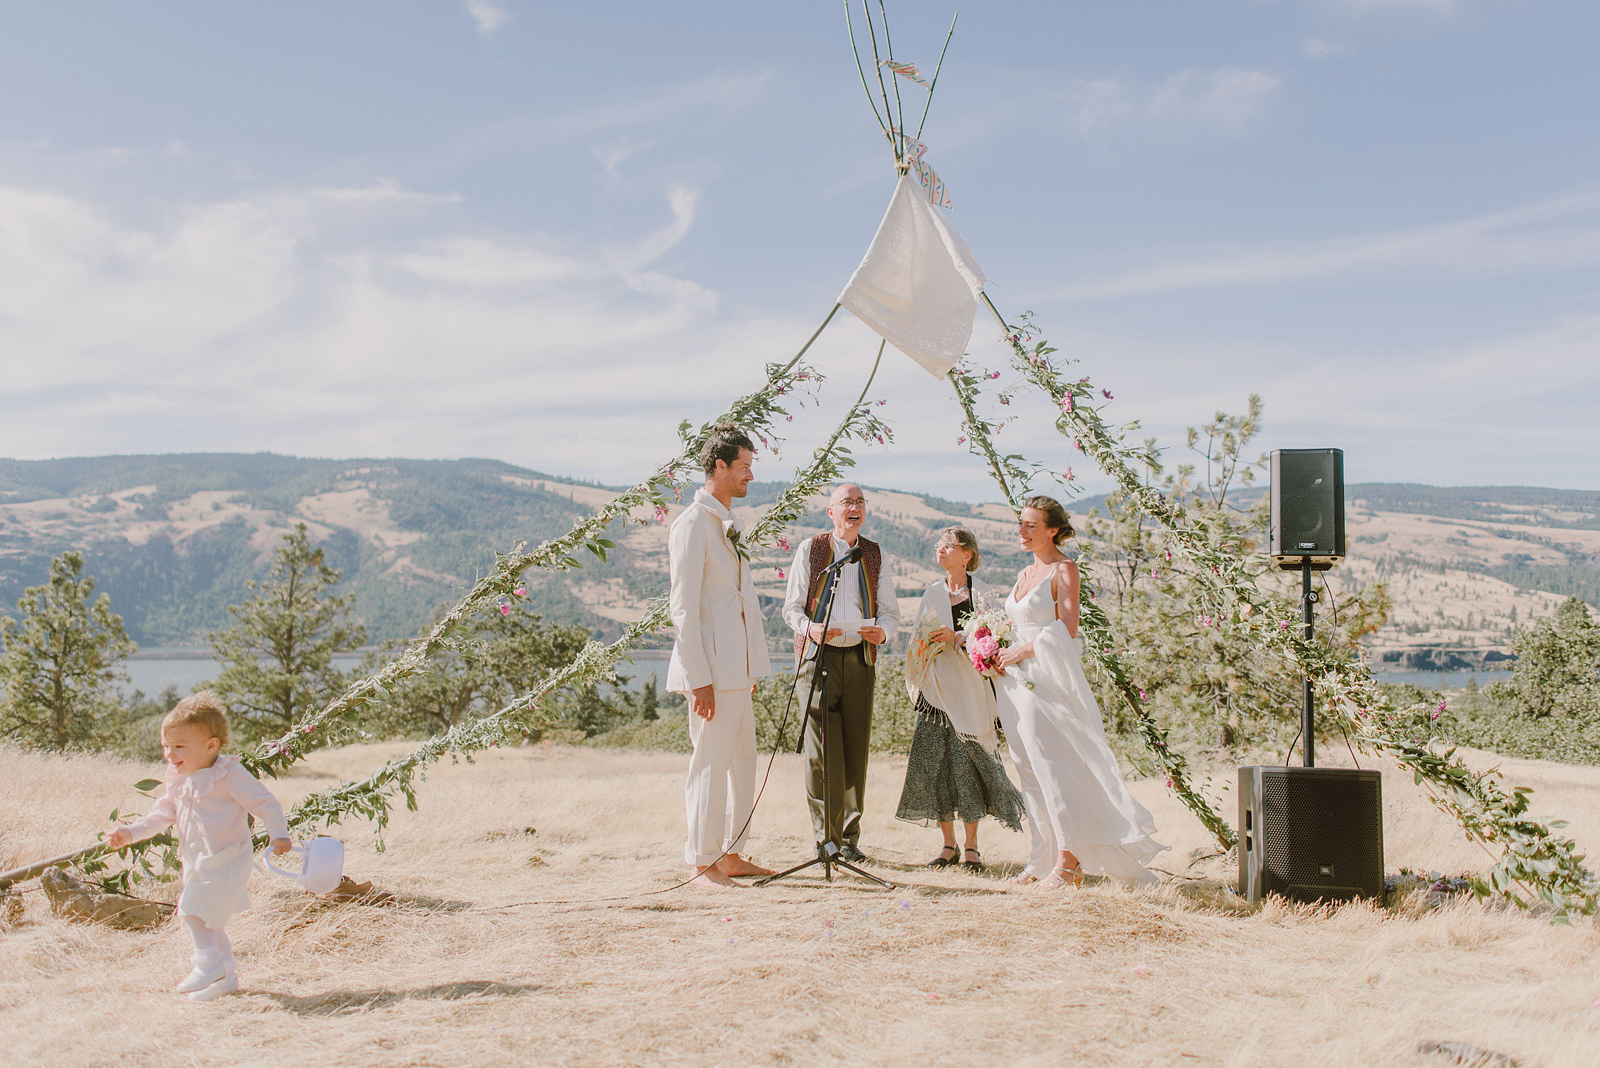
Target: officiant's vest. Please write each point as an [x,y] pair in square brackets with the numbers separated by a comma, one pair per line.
[871,566]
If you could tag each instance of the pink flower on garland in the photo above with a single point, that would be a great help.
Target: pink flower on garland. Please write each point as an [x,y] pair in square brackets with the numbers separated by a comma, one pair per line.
[783,543]
[521,591]
[1106,393]
[1068,476]
[1066,403]
[779,570]
[505,610]
[661,513]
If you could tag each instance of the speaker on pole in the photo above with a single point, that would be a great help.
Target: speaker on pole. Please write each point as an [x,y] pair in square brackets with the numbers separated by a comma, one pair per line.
[1307,508]
[1310,834]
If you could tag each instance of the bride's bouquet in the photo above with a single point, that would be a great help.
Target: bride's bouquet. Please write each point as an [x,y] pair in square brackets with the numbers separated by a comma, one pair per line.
[988,632]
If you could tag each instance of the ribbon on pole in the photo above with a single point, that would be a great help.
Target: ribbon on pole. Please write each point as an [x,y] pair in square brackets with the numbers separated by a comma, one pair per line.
[907,71]
[913,151]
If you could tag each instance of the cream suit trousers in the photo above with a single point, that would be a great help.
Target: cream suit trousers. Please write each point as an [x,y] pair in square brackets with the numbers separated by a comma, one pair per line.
[720,792]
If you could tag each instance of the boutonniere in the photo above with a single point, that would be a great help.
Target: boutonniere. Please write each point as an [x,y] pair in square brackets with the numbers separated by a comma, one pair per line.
[733,539]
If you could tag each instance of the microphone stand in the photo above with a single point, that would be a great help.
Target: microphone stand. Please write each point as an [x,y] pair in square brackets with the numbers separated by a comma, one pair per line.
[827,850]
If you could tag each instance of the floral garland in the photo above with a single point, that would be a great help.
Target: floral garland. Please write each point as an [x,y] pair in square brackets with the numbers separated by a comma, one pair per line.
[1095,628]
[1544,863]
[756,413]
[369,797]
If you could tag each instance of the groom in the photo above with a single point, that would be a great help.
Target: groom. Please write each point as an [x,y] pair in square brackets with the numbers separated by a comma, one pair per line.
[719,651]
[865,615]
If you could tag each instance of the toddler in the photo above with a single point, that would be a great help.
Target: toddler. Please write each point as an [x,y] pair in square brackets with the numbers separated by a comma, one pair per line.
[207,798]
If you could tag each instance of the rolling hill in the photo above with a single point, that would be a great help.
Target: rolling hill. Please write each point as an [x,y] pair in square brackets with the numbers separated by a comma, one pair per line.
[172,539]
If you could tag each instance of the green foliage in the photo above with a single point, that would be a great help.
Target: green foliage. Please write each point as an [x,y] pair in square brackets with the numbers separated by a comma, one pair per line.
[1534,856]
[493,658]
[1550,707]
[1211,683]
[278,656]
[61,662]
[1557,670]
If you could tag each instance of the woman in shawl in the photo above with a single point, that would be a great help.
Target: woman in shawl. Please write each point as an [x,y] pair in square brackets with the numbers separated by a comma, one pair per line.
[953,769]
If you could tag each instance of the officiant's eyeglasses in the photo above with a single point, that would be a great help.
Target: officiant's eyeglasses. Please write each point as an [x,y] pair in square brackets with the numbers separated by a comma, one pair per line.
[860,502]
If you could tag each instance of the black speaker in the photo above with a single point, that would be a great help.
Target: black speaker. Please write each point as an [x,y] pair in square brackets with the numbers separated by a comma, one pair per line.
[1310,834]
[1307,506]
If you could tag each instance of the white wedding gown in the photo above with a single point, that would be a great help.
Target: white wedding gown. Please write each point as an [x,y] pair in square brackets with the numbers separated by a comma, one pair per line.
[1071,785]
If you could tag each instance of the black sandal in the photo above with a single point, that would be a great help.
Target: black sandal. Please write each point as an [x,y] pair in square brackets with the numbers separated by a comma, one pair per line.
[973,865]
[942,861]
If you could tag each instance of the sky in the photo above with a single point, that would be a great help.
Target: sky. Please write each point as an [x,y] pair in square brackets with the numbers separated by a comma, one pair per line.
[547,233]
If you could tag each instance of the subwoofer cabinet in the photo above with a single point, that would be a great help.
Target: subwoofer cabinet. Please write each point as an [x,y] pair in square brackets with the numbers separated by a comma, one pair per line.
[1310,834]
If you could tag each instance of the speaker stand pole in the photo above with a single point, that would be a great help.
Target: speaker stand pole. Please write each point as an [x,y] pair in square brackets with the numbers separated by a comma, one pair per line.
[1308,713]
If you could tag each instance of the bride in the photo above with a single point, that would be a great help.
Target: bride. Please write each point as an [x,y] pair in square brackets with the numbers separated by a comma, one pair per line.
[1082,817]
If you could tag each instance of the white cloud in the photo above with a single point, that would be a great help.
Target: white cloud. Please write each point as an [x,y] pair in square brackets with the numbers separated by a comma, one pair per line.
[1553,234]
[1322,48]
[611,156]
[295,321]
[489,15]
[1181,106]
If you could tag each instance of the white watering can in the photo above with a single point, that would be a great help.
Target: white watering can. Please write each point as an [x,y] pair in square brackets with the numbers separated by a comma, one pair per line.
[322,866]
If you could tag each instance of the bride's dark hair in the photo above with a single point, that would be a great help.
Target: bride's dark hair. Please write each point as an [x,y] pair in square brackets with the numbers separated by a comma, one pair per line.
[1055,516]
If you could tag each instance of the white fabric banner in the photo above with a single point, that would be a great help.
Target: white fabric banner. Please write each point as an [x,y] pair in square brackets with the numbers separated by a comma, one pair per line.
[918,285]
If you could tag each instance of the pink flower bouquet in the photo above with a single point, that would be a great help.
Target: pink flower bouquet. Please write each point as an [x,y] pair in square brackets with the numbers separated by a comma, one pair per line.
[984,648]
[990,632]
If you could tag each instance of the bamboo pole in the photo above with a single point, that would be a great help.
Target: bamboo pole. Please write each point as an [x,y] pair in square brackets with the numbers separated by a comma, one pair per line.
[935,83]
[899,108]
[850,27]
[33,871]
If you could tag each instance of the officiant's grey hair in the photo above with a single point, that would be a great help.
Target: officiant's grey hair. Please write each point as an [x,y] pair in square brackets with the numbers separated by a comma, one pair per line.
[723,444]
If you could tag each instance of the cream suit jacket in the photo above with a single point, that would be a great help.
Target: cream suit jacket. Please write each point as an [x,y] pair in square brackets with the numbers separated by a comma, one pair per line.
[720,640]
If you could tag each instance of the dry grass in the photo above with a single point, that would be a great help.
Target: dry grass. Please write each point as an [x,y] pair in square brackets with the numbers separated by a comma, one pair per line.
[948,969]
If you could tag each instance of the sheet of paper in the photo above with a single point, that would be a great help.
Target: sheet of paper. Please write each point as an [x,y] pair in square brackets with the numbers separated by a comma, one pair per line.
[852,627]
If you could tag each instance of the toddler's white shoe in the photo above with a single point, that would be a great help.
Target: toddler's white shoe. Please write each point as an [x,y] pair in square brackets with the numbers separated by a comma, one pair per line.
[228,984]
[208,969]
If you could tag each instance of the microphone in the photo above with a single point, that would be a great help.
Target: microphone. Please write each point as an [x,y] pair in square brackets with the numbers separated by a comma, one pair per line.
[851,557]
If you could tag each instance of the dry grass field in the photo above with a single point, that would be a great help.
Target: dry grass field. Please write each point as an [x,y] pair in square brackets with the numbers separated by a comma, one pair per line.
[524,935]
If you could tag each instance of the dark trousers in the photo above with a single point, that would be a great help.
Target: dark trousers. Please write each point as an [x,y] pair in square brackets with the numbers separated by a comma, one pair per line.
[846,726]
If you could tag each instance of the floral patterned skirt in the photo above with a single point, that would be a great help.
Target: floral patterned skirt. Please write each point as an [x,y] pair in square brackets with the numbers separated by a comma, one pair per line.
[951,778]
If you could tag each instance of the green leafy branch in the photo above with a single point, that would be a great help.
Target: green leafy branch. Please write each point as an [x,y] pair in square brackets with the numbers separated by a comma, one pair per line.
[755,412]
[370,797]
[1093,626]
[1532,855]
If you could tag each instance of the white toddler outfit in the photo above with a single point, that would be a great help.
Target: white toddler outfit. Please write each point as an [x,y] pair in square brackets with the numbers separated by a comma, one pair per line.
[209,808]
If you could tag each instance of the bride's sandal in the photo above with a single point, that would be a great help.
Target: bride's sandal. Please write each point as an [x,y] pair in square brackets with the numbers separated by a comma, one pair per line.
[1023,878]
[1064,876]
[942,861]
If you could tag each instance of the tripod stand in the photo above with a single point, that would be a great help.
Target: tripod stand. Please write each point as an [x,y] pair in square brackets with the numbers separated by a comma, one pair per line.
[817,699]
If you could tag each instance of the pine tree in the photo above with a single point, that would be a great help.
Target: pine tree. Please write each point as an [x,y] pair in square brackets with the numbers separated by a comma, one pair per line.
[61,662]
[278,655]
[496,658]
[1557,670]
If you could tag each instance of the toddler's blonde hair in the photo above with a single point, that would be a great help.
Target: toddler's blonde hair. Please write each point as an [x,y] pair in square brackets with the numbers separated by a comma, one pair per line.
[203,710]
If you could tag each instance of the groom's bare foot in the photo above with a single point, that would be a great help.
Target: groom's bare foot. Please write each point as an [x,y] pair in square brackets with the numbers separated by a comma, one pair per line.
[709,878]
[735,865]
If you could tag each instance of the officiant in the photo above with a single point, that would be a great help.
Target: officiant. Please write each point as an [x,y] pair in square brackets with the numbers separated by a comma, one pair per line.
[865,615]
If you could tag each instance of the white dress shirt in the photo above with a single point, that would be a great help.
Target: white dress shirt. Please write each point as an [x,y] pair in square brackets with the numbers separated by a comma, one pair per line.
[846,598]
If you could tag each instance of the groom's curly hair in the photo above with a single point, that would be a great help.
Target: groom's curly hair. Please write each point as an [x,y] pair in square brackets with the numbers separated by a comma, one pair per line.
[724,444]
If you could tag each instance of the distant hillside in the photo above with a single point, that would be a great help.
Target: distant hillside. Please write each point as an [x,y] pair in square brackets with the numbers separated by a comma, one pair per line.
[173,539]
